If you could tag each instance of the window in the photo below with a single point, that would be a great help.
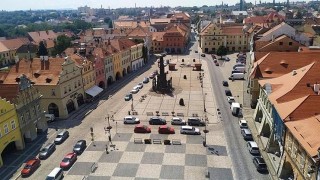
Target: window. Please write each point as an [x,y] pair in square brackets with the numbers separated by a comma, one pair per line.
[13,125]
[65,90]
[53,92]
[6,129]
[290,43]
[280,43]
[302,159]
[79,84]
[69,88]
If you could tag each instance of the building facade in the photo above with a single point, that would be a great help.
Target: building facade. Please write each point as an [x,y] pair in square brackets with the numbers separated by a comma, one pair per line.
[215,35]
[136,56]
[10,135]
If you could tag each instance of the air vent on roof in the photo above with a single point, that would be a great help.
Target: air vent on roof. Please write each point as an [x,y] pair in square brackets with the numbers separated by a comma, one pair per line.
[294,72]
[268,71]
[48,79]
[316,88]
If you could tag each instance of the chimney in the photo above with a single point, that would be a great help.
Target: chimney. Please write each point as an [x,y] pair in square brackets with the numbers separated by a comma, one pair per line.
[316,88]
[109,41]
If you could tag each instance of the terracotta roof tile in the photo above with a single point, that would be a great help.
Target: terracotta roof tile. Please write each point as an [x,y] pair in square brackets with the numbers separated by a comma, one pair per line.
[3,48]
[13,44]
[53,69]
[232,30]
[42,35]
[275,64]
[307,133]
[9,91]
[158,36]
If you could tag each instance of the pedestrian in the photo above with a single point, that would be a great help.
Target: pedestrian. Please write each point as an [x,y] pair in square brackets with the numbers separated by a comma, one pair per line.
[107,149]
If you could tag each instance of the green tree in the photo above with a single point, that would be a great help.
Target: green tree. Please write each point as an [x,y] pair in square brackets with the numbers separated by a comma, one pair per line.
[62,43]
[222,51]
[42,51]
[110,24]
[107,20]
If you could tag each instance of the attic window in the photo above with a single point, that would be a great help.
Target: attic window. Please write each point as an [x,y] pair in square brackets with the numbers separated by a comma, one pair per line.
[268,71]
[18,79]
[48,79]
[37,74]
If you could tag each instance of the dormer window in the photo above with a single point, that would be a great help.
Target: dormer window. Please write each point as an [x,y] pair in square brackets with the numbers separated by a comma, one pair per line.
[48,79]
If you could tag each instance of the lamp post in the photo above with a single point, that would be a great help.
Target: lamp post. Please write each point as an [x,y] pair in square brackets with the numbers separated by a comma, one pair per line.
[132,104]
[108,130]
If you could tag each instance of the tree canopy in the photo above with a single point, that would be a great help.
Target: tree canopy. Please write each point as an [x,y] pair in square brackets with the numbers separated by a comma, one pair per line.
[61,44]
[42,51]
[222,51]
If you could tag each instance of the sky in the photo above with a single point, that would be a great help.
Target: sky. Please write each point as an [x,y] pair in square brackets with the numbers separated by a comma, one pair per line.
[11,5]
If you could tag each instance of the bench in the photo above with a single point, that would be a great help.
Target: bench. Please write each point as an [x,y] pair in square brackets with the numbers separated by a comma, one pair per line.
[176,142]
[94,166]
[149,113]
[156,141]
[180,114]
[137,140]
[165,114]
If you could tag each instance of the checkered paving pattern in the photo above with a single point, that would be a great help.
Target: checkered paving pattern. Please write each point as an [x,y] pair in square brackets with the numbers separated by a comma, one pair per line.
[128,160]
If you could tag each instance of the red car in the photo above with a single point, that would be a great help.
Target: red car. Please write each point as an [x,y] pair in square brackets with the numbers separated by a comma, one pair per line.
[166,130]
[68,160]
[30,167]
[142,129]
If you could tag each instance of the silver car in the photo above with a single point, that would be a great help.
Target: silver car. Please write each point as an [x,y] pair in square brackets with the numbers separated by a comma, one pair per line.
[131,120]
[177,121]
[189,130]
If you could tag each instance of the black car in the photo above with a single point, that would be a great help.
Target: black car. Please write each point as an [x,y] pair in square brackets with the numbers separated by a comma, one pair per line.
[157,121]
[225,83]
[260,164]
[228,92]
[203,55]
[47,151]
[79,147]
[193,121]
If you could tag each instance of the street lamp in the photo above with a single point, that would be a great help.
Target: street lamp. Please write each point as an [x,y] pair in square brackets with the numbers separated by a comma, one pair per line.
[205,131]
[132,104]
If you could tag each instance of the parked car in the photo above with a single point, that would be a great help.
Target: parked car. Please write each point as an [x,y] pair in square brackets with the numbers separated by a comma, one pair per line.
[243,123]
[228,92]
[260,164]
[177,121]
[55,174]
[145,80]
[46,151]
[152,75]
[217,64]
[157,121]
[140,85]
[203,55]
[128,97]
[68,160]
[253,147]
[142,129]
[227,59]
[225,83]
[131,120]
[135,90]
[189,130]
[230,99]
[30,167]
[164,129]
[246,133]
[79,147]
[194,121]
[61,137]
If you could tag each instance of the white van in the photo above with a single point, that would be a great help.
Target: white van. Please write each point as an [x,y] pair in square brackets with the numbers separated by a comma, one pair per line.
[240,68]
[56,174]
[50,117]
[236,76]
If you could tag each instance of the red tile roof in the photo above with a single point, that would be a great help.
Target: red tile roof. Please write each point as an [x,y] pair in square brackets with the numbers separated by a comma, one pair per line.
[307,133]
[42,35]
[13,44]
[37,71]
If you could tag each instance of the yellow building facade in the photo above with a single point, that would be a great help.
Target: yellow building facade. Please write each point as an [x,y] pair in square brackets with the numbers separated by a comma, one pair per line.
[9,128]
[215,35]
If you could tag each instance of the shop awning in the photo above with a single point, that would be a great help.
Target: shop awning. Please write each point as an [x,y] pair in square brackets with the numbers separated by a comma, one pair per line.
[94,91]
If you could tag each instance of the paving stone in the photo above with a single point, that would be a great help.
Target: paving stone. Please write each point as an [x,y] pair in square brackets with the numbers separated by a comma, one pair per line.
[126,170]
[196,160]
[152,158]
[172,172]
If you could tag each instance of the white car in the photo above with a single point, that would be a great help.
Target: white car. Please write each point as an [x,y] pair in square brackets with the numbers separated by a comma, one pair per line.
[140,85]
[189,130]
[135,90]
[231,99]
[131,120]
[243,123]
[177,121]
